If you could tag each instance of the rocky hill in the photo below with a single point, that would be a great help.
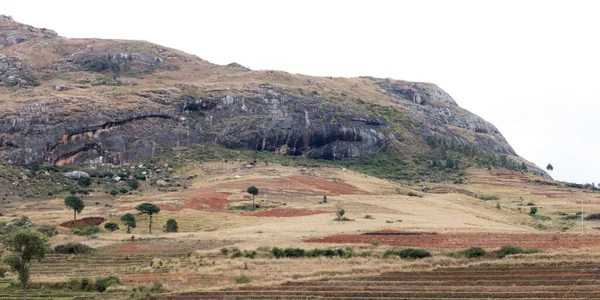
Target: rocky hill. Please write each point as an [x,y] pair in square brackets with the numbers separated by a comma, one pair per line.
[91,101]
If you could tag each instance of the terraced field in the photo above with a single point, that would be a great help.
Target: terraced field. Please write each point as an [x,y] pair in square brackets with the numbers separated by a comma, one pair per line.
[564,280]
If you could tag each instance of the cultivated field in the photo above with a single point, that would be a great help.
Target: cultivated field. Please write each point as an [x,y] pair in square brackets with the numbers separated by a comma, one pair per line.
[199,260]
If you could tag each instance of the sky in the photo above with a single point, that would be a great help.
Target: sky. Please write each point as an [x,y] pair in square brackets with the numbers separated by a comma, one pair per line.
[529,67]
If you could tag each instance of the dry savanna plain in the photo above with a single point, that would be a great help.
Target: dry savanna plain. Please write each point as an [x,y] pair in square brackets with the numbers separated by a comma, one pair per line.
[294,247]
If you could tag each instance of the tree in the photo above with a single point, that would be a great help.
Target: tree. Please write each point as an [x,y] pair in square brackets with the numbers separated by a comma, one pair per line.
[76,204]
[549,167]
[149,209]
[84,181]
[25,246]
[532,210]
[253,191]
[114,192]
[129,220]
[110,226]
[340,215]
[123,191]
[171,226]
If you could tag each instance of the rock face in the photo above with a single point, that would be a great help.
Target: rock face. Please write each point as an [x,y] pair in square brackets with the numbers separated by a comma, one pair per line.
[125,100]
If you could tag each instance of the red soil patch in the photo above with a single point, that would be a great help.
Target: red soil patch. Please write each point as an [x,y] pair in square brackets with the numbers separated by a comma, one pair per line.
[466,240]
[201,200]
[296,185]
[83,222]
[286,213]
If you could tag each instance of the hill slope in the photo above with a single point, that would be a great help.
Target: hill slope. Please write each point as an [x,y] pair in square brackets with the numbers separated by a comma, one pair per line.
[90,101]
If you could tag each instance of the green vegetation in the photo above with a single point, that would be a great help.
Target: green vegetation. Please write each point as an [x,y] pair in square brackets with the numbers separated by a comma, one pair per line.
[533,210]
[133,184]
[88,230]
[510,249]
[76,204]
[242,279]
[103,283]
[408,253]
[24,246]
[299,252]
[149,209]
[487,198]
[129,220]
[48,230]
[84,181]
[474,252]
[73,248]
[253,191]
[171,226]
[110,226]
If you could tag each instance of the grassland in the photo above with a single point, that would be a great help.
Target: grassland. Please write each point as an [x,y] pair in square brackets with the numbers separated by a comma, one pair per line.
[292,215]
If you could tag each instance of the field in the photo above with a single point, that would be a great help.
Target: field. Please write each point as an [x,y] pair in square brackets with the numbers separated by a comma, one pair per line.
[223,248]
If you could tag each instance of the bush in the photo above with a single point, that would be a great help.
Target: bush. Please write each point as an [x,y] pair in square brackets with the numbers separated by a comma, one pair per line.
[235,252]
[369,217]
[224,251]
[249,254]
[73,248]
[242,279]
[414,253]
[486,198]
[110,226]
[85,230]
[508,250]
[133,184]
[591,217]
[171,226]
[330,253]
[533,210]
[84,181]
[157,287]
[48,230]
[530,204]
[407,253]
[103,283]
[277,252]
[293,252]
[114,192]
[123,190]
[474,252]
[413,194]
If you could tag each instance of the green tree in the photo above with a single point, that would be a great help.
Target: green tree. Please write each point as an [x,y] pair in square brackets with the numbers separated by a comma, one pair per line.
[114,192]
[129,220]
[253,191]
[171,226]
[549,167]
[84,181]
[532,210]
[123,191]
[340,214]
[76,204]
[149,209]
[110,226]
[25,246]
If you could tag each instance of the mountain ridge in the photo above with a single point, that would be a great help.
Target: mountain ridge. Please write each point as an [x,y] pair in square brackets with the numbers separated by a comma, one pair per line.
[91,101]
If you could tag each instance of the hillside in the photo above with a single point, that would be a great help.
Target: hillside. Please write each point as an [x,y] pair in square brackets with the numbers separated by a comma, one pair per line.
[90,101]
[368,188]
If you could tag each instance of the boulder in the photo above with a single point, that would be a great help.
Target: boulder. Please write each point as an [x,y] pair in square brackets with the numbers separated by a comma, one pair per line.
[161,182]
[76,174]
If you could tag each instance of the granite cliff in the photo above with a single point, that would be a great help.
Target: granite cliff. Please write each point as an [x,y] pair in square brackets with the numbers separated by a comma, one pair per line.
[91,101]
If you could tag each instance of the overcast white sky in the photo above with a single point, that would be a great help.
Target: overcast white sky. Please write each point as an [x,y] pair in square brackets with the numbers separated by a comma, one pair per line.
[529,67]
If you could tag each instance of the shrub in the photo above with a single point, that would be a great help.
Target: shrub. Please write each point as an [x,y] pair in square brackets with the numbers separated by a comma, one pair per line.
[369,217]
[242,279]
[508,250]
[591,217]
[48,230]
[486,198]
[84,181]
[110,226]
[530,204]
[474,252]
[533,210]
[114,192]
[123,190]
[157,287]
[249,254]
[133,184]
[103,283]
[277,252]
[224,251]
[171,226]
[85,230]
[414,253]
[235,252]
[293,252]
[73,248]
[413,194]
